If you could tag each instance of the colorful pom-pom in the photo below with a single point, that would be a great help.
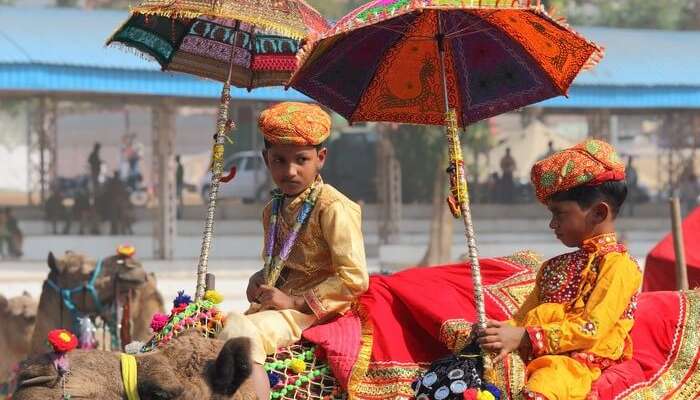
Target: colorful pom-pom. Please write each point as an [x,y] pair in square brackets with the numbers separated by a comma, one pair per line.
[273,378]
[158,322]
[62,341]
[213,296]
[470,394]
[485,395]
[126,250]
[493,390]
[297,365]
[182,298]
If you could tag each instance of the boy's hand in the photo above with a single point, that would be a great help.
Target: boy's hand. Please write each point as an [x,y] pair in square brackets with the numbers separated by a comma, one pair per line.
[271,298]
[501,338]
[254,283]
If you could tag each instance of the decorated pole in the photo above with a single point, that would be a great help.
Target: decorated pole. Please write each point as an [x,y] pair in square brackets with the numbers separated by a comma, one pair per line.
[459,199]
[223,126]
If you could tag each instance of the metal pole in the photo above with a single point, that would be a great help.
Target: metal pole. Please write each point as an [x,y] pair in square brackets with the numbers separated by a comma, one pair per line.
[678,246]
[459,182]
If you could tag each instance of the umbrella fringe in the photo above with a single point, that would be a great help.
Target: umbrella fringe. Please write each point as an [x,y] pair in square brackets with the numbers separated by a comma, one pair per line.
[131,50]
[168,12]
[598,51]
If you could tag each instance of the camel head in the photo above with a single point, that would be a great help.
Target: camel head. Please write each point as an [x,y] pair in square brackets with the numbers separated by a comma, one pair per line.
[118,274]
[18,315]
[189,367]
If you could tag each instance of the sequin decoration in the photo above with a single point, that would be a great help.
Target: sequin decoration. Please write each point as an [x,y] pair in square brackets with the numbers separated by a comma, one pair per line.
[561,277]
[590,327]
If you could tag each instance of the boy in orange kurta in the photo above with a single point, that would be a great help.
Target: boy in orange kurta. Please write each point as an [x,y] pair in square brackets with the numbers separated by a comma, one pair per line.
[576,321]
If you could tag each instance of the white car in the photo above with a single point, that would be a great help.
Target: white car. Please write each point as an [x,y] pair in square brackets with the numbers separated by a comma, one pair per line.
[251,183]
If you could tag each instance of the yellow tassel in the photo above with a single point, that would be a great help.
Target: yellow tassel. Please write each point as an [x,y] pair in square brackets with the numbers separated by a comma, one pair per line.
[297,365]
[485,395]
[213,296]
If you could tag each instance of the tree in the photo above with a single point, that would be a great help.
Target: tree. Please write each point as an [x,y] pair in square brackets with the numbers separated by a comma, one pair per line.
[335,9]
[668,14]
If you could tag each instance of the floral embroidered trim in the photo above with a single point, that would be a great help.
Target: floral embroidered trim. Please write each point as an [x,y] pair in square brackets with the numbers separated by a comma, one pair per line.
[593,360]
[455,334]
[530,395]
[681,372]
[631,307]
[537,340]
[553,337]
[590,327]
[315,304]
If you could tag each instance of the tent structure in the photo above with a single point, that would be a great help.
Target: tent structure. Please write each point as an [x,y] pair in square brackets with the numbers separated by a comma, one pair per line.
[660,268]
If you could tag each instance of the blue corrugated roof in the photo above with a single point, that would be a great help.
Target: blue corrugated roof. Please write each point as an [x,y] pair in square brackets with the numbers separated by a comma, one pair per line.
[644,57]
[56,49]
[62,50]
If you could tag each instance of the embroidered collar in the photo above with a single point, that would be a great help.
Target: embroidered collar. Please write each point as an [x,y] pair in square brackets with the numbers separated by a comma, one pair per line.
[600,242]
[298,199]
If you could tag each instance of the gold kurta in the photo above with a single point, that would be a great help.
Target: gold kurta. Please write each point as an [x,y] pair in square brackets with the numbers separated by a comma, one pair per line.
[326,266]
[578,318]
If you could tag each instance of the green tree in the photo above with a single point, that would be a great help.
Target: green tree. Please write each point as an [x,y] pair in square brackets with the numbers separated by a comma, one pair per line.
[667,14]
[335,9]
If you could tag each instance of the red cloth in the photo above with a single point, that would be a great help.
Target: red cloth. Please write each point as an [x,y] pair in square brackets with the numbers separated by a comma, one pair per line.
[406,312]
[660,267]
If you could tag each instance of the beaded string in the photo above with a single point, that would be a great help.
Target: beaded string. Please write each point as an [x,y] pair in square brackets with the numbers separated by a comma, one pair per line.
[296,372]
[274,264]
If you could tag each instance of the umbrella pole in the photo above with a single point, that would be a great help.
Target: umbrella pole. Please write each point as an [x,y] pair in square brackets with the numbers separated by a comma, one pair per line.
[458,185]
[217,167]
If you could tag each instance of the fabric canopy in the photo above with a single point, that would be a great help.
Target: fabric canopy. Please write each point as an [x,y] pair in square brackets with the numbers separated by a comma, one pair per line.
[660,270]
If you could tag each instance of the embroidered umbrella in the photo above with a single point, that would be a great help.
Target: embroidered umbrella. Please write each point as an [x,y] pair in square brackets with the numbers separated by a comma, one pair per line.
[443,62]
[245,43]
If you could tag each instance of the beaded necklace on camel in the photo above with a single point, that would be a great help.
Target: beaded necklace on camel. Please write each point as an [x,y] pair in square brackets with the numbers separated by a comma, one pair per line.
[274,264]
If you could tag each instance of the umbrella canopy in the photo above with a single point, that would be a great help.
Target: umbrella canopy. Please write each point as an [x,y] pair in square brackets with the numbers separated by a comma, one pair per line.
[382,61]
[292,18]
[211,48]
[660,266]
[226,40]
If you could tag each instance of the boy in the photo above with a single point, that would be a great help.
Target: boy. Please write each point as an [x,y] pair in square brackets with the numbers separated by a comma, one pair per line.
[576,321]
[325,270]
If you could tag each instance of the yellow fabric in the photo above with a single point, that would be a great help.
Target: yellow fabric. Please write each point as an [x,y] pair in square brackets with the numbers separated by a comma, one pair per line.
[326,266]
[268,330]
[129,376]
[560,378]
[596,321]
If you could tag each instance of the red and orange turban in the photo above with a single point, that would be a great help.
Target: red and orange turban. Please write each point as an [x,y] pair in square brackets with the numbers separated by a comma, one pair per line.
[589,163]
[298,124]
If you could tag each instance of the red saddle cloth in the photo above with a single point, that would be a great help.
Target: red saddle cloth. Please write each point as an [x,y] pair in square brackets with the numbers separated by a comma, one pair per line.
[409,319]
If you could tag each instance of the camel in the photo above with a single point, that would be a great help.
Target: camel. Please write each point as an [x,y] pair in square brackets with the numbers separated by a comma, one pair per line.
[189,367]
[118,274]
[17,318]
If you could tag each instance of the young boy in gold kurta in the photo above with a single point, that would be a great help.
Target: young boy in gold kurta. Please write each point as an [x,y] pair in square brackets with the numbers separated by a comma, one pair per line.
[326,268]
[576,321]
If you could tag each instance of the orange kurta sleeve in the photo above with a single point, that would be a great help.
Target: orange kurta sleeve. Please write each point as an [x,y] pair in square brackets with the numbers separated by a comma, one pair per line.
[601,325]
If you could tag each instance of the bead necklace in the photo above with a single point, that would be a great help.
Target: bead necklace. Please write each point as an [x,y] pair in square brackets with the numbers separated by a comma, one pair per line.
[274,264]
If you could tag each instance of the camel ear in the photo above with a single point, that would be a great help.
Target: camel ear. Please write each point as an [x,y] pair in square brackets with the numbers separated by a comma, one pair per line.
[232,367]
[51,261]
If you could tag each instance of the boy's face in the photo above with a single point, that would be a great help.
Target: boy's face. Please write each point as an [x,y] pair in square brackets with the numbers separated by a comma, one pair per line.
[294,168]
[571,224]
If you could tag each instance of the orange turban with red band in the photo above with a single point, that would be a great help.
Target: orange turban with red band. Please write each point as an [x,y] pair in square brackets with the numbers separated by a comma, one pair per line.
[298,124]
[589,163]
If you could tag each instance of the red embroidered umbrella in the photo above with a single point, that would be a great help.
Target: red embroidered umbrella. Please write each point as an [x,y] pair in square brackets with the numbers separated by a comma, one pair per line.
[245,43]
[443,62]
